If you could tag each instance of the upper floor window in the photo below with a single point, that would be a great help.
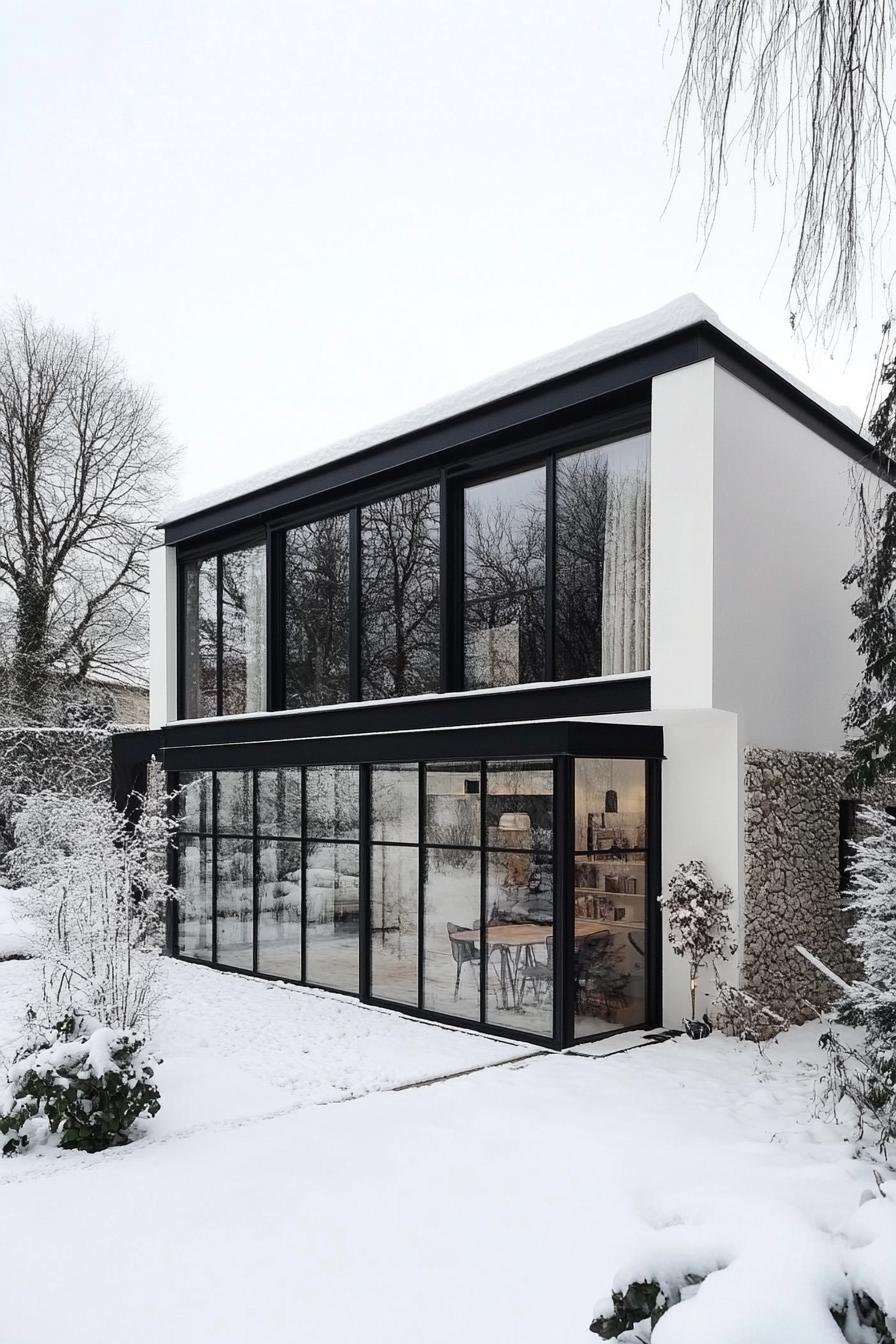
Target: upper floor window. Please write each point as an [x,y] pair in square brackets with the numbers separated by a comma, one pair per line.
[542,574]
[602,554]
[224,633]
[400,595]
[317,612]
[598,535]
[504,580]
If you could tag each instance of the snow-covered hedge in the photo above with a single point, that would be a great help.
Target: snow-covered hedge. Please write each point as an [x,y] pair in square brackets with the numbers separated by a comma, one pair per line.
[84,1087]
[76,760]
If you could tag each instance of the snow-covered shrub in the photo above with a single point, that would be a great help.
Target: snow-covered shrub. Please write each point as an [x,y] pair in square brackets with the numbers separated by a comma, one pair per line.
[865,1073]
[97,887]
[699,925]
[86,1087]
[758,1270]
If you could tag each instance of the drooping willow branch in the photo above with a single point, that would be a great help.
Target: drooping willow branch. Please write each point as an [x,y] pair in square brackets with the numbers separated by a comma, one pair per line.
[807,86]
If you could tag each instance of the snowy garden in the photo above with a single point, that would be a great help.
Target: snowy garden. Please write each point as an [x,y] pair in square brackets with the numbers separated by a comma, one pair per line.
[311,1159]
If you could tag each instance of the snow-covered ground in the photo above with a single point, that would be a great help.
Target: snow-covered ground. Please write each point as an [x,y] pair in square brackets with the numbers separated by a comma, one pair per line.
[16,930]
[494,1205]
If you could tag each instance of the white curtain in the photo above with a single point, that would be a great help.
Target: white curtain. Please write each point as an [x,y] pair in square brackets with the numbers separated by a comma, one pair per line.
[626,575]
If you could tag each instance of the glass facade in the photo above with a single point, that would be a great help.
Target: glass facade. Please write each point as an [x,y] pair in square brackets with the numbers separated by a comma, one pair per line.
[224,639]
[541,574]
[602,510]
[449,872]
[316,614]
[400,595]
[610,896]
[504,580]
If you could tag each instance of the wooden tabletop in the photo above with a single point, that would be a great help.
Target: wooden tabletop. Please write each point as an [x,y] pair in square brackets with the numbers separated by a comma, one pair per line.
[524,935]
[506,935]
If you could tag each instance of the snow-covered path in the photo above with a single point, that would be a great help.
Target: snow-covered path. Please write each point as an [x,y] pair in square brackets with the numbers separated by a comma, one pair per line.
[492,1206]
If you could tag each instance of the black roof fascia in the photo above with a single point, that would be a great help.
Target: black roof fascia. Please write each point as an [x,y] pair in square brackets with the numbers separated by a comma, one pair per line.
[629,372]
[556,700]
[491,741]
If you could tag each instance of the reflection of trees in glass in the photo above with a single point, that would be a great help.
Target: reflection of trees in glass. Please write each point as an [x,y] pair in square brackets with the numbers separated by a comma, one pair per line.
[504,566]
[602,560]
[243,673]
[400,594]
[201,638]
[317,611]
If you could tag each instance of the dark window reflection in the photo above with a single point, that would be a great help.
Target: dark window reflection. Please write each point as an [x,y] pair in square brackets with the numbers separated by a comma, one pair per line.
[194,905]
[602,560]
[452,804]
[331,802]
[280,908]
[200,633]
[243,631]
[504,578]
[317,612]
[400,594]
[234,795]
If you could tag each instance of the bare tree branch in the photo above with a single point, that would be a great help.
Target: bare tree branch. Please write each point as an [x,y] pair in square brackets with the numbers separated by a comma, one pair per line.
[814,80]
[84,463]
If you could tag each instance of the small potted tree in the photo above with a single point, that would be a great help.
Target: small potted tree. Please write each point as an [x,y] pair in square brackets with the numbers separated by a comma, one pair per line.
[699,927]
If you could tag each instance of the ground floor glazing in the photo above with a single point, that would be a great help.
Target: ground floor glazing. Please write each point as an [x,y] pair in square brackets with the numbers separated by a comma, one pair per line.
[513,894]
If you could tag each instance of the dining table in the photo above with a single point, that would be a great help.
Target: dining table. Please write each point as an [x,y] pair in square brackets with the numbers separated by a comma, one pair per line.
[516,942]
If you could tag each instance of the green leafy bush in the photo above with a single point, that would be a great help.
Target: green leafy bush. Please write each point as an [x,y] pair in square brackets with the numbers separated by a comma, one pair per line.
[85,1086]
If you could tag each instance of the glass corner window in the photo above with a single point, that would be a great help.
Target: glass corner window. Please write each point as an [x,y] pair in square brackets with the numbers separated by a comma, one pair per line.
[224,633]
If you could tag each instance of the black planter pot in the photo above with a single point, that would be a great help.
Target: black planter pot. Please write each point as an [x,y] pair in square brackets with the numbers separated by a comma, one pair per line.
[696,1030]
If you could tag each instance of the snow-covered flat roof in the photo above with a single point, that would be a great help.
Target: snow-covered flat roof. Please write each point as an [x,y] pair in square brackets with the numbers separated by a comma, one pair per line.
[678,315]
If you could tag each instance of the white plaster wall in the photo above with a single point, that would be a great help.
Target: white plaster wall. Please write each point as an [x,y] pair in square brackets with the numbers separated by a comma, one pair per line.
[782,541]
[162,636]
[681,538]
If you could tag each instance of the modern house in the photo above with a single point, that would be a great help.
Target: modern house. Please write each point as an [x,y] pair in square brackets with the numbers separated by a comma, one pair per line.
[455,696]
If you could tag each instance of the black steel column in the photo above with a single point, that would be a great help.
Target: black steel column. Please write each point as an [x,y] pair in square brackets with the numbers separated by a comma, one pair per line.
[654,921]
[564,903]
[354,595]
[364,866]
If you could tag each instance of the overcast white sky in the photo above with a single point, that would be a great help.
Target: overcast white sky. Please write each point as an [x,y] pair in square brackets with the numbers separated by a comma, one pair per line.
[300,218]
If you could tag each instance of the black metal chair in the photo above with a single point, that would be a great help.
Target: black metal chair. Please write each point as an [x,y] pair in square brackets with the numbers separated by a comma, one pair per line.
[464,951]
[538,974]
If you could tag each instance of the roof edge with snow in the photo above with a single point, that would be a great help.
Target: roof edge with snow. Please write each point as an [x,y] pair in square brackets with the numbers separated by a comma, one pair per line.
[683,315]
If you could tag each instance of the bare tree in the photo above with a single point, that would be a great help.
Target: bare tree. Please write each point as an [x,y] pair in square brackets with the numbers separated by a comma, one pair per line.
[816,77]
[84,462]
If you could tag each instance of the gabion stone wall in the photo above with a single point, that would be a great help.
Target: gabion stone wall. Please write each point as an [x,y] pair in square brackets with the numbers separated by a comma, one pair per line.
[792,876]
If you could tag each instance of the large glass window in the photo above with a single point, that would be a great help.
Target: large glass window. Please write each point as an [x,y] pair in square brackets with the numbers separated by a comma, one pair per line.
[504,580]
[602,560]
[519,816]
[460,891]
[394,882]
[194,865]
[317,612]
[610,895]
[332,891]
[243,632]
[279,872]
[224,656]
[452,893]
[200,633]
[400,595]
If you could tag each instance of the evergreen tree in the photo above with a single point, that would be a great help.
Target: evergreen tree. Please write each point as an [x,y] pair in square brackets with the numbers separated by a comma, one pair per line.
[870,1003]
[870,720]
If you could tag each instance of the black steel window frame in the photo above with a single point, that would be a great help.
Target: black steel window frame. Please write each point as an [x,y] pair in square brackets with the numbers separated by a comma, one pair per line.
[563,765]
[241,541]
[501,459]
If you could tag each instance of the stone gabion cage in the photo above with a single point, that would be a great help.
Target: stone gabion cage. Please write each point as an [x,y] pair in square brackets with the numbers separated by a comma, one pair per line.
[792,877]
